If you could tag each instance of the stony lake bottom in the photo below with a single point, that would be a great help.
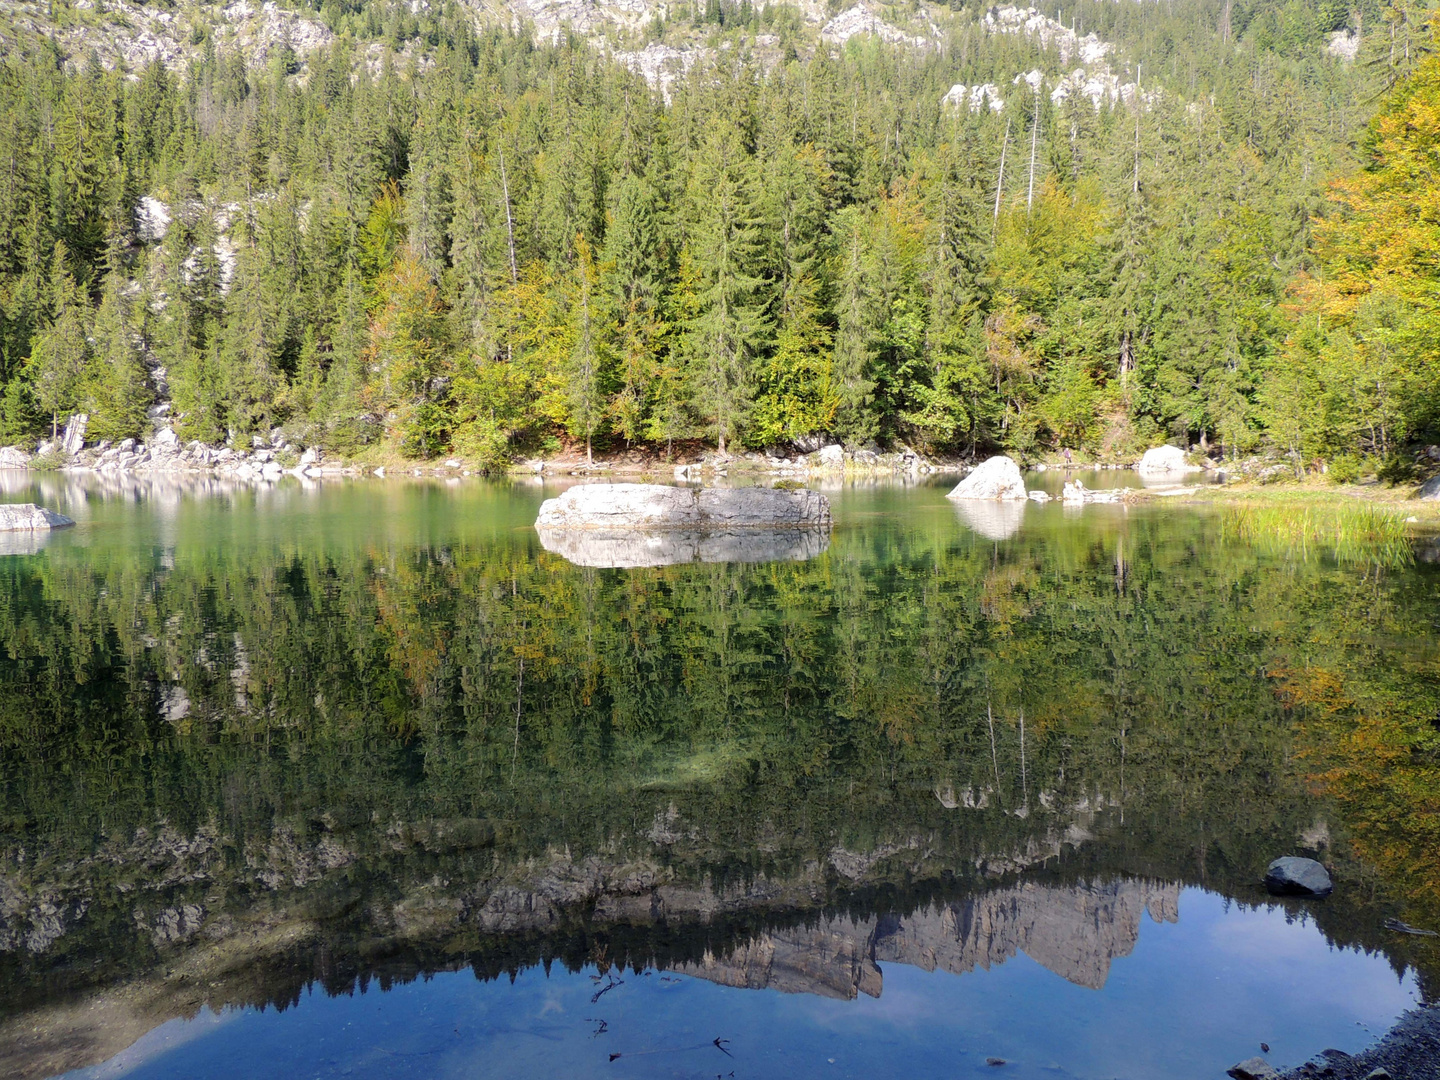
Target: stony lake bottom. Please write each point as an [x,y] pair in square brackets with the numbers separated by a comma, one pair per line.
[357,779]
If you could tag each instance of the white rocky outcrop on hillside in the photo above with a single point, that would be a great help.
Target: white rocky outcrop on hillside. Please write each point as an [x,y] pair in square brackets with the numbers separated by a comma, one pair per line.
[1093,78]
[861,20]
[133,36]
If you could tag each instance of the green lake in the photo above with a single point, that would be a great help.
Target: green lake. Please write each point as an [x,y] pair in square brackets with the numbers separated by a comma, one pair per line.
[357,779]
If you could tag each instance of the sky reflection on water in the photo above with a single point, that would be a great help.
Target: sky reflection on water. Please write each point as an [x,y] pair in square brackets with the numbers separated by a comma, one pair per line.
[1194,997]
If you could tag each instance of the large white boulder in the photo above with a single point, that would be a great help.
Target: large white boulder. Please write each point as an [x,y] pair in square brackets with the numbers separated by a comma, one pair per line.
[997,478]
[12,457]
[1164,460]
[27,517]
[657,506]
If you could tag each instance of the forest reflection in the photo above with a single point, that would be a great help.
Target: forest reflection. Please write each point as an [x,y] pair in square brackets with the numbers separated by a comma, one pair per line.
[387,738]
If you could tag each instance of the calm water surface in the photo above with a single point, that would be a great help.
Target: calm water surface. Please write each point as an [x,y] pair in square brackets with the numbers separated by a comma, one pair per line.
[360,780]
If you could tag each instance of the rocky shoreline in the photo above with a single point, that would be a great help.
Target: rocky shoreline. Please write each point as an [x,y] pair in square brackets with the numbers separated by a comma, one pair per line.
[1409,1051]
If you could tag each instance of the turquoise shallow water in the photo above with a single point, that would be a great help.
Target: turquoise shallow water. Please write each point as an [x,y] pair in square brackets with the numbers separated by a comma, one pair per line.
[359,779]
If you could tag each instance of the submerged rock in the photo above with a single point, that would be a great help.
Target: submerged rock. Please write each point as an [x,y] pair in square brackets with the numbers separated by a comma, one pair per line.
[1255,1068]
[656,506]
[630,548]
[1293,876]
[27,517]
[1164,459]
[997,478]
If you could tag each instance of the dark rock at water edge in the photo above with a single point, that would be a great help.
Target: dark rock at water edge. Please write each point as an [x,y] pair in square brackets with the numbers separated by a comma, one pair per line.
[1292,875]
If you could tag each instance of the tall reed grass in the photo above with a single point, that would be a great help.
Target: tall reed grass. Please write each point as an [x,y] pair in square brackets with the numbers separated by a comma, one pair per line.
[1350,534]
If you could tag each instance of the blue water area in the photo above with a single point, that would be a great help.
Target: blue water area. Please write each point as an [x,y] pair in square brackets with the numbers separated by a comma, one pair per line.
[1192,998]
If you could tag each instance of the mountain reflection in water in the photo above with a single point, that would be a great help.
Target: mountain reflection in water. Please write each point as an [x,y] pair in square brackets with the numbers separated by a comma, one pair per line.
[255,742]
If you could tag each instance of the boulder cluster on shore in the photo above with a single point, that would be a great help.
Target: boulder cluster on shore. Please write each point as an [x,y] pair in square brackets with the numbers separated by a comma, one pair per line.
[265,458]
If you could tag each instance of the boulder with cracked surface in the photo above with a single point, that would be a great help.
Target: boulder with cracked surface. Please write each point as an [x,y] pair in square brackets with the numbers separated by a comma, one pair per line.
[996,478]
[27,517]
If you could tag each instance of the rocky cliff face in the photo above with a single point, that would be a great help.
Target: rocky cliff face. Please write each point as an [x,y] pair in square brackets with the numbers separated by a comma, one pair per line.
[131,35]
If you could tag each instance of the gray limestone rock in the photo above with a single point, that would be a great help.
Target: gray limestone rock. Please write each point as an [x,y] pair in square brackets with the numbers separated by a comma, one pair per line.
[74,437]
[1292,875]
[1255,1068]
[656,506]
[27,517]
[1162,460]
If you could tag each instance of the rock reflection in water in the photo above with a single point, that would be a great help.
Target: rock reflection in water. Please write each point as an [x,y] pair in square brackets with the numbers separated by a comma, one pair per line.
[23,542]
[631,548]
[994,520]
[1074,931]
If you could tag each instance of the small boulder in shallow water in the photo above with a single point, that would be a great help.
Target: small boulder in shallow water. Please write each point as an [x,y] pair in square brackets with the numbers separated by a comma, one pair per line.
[27,517]
[1294,876]
[1255,1068]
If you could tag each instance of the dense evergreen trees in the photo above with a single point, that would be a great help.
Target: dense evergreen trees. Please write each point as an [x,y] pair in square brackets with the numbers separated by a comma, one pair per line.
[491,244]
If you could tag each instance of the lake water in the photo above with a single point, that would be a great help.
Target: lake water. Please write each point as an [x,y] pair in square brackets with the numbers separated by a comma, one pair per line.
[358,779]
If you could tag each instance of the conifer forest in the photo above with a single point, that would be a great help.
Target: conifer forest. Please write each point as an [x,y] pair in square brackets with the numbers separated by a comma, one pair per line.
[432,234]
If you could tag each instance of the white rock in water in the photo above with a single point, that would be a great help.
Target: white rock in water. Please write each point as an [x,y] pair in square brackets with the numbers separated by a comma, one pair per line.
[27,517]
[1165,459]
[656,506]
[997,478]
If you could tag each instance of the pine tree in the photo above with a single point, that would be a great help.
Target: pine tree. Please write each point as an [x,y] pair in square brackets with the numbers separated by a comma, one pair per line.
[61,351]
[117,390]
[729,322]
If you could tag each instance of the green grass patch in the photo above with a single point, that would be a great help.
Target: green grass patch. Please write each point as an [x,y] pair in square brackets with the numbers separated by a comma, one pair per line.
[1357,533]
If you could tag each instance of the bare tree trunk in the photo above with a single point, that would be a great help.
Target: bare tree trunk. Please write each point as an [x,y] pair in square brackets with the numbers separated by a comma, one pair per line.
[1136,187]
[1034,138]
[1000,181]
[509,221]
